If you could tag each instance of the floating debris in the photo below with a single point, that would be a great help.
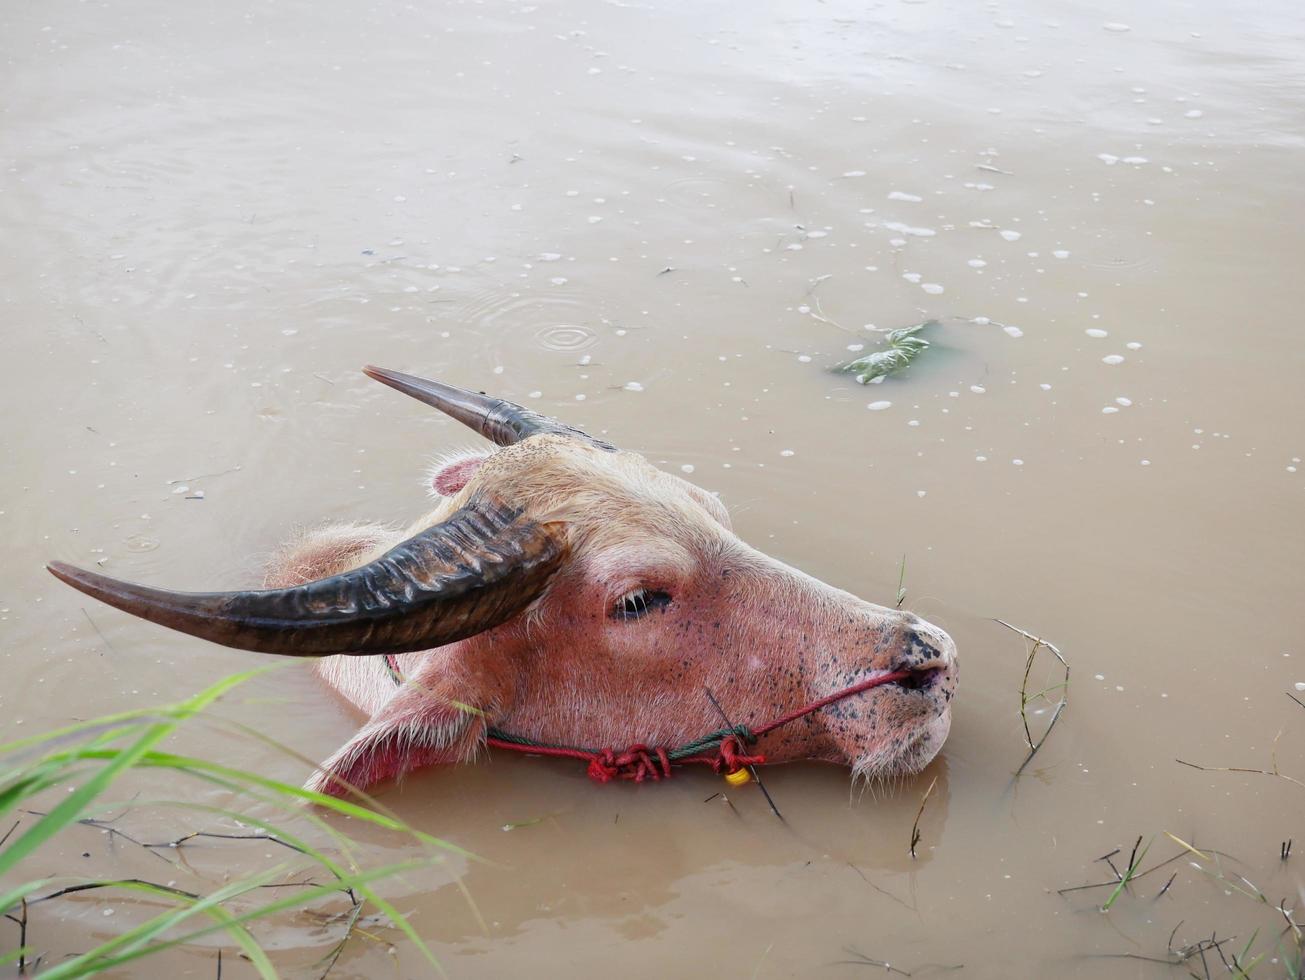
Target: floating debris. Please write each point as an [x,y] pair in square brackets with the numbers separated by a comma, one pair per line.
[903,347]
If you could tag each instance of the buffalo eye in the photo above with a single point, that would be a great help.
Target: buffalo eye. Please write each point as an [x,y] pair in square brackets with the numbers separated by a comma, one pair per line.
[637,604]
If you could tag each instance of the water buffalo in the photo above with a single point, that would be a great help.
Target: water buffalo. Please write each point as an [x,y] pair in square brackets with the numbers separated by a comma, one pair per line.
[570,593]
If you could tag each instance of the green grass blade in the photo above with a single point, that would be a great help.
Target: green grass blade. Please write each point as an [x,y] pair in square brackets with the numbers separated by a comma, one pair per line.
[135,939]
[71,806]
[300,898]
[1125,878]
[168,760]
[365,890]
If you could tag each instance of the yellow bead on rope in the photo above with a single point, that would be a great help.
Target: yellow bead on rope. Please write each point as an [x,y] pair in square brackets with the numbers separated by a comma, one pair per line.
[739,777]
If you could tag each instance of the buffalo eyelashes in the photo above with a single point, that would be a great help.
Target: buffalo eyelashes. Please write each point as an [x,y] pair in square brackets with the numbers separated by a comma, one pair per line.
[636,604]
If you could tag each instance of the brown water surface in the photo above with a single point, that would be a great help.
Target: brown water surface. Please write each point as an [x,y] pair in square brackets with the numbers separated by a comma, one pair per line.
[666,223]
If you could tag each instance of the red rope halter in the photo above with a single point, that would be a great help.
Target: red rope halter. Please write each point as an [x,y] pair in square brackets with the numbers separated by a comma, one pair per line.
[723,751]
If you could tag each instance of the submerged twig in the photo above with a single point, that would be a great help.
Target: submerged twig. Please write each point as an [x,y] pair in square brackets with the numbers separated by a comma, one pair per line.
[863,960]
[104,639]
[270,838]
[818,312]
[1118,875]
[882,891]
[22,937]
[915,827]
[1257,772]
[329,960]
[1026,698]
[1177,957]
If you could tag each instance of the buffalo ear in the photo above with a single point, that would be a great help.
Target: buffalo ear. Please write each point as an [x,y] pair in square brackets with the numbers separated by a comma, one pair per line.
[421,725]
[450,474]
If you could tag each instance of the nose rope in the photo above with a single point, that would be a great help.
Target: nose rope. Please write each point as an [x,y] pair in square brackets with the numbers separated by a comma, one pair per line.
[724,751]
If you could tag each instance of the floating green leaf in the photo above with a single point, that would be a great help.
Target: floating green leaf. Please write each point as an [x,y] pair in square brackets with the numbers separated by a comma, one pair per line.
[901,347]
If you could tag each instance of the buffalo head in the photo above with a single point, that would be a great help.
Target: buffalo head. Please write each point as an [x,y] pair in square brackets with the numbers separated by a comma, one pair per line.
[573,594]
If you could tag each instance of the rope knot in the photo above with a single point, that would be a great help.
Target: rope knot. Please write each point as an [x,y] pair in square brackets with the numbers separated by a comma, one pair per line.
[602,767]
[732,757]
[638,763]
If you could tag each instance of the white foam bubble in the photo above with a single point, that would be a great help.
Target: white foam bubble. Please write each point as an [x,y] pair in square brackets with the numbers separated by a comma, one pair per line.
[1011,236]
[879,406]
[903,196]
[1113,359]
[1013,330]
[906,229]
[1096,332]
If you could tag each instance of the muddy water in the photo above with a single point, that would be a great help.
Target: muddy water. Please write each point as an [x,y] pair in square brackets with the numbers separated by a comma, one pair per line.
[211,216]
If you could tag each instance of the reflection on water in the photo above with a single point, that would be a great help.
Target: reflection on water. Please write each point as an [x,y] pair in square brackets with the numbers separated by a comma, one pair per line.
[666,224]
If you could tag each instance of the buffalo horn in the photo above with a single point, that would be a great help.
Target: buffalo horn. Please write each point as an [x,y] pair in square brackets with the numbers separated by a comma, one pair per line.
[496,419]
[480,567]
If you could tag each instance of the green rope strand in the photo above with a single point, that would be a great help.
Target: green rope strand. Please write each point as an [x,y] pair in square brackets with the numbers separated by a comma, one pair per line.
[710,741]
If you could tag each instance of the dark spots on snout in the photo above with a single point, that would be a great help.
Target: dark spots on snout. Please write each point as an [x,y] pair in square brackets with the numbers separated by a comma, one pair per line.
[920,649]
[852,711]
